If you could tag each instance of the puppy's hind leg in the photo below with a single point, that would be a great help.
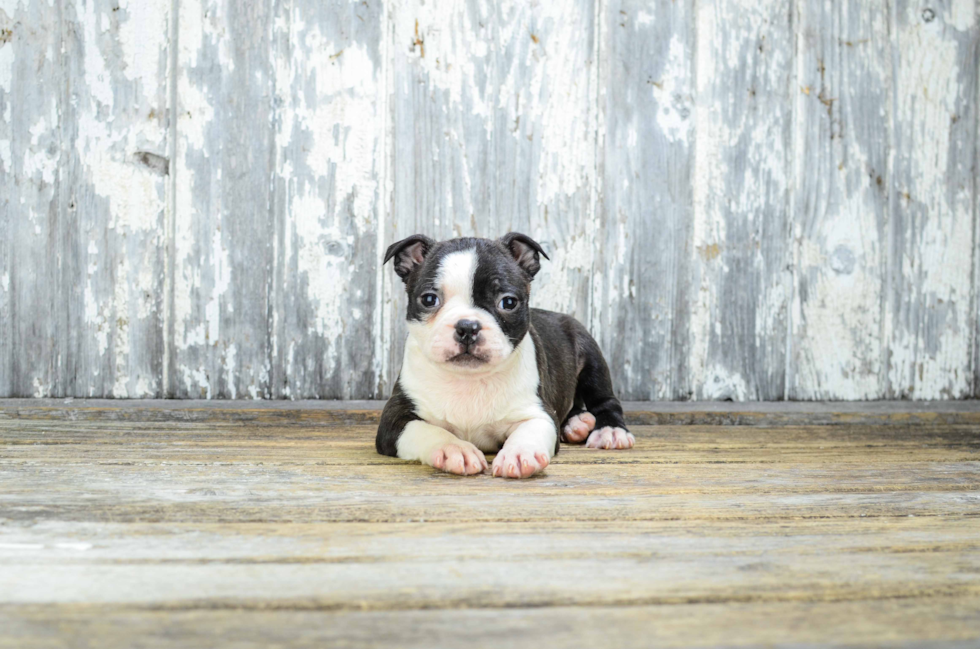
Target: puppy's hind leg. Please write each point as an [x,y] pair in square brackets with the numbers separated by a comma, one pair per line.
[595,391]
[577,426]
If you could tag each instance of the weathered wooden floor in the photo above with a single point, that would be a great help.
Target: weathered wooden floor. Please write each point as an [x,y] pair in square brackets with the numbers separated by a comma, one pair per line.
[127,525]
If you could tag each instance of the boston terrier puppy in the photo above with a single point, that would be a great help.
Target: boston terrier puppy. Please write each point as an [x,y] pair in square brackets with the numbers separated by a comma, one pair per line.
[483,372]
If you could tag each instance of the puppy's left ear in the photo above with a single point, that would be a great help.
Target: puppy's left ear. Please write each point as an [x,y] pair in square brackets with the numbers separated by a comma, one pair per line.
[525,251]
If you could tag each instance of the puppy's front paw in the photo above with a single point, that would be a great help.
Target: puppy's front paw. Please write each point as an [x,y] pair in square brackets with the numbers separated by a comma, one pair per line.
[610,438]
[518,462]
[578,427]
[461,458]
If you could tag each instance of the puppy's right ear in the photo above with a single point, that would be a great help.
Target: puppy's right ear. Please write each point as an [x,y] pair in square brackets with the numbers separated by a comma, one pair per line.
[409,253]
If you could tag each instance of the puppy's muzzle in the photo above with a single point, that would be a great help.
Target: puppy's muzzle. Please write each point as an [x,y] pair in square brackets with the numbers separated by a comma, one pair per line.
[467,332]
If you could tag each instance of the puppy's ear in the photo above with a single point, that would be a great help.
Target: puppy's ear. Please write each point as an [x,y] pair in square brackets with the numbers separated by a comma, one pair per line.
[525,251]
[409,253]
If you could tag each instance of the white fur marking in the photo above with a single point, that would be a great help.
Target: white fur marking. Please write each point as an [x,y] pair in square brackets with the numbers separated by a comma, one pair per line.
[456,276]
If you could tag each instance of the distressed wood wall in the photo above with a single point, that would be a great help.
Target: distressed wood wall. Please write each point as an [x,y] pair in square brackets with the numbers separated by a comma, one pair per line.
[744,199]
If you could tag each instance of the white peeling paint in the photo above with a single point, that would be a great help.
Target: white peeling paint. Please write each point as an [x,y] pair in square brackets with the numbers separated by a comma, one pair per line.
[460,42]
[134,193]
[142,35]
[221,269]
[962,14]
[671,93]
[933,363]
[196,382]
[556,286]
[97,77]
[720,384]
[6,71]
[231,370]
[322,259]
[40,161]
[121,330]
[346,93]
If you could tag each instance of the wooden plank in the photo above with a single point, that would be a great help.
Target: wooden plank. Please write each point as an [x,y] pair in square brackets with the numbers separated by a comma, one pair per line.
[184,475]
[499,507]
[976,257]
[442,117]
[882,413]
[306,455]
[224,225]
[925,622]
[121,442]
[122,544]
[116,171]
[843,106]
[604,580]
[412,566]
[33,331]
[738,321]
[645,198]
[543,174]
[933,198]
[330,98]
[195,475]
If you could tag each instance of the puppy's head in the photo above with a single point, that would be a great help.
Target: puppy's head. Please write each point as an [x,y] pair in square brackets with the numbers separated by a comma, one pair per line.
[467,298]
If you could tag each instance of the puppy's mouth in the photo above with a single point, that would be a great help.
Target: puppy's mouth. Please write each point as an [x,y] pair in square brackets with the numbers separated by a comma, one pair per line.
[467,358]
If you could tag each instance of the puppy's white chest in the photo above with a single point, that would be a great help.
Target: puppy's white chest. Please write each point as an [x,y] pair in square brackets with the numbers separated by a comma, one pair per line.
[483,410]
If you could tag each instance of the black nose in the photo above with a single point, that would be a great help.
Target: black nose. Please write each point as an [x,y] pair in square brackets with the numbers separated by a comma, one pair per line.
[467,331]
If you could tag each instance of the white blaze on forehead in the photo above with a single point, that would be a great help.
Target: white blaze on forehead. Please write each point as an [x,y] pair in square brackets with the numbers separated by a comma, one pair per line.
[456,275]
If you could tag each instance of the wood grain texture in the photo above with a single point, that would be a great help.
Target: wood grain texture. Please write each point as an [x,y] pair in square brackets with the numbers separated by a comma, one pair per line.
[642,269]
[544,140]
[116,130]
[224,227]
[330,128]
[919,622]
[294,535]
[976,242]
[933,201]
[33,320]
[844,111]
[739,308]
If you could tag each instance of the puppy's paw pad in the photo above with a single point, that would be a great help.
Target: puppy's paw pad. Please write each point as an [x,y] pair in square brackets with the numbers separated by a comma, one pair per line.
[578,427]
[462,459]
[518,463]
[611,438]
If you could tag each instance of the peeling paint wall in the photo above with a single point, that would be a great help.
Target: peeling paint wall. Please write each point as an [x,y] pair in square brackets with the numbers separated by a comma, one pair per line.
[742,199]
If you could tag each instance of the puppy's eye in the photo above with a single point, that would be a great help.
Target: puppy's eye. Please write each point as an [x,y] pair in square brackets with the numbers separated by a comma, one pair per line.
[429,300]
[508,303]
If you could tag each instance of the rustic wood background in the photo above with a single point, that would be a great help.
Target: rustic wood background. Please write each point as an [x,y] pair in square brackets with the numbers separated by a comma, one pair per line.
[744,199]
